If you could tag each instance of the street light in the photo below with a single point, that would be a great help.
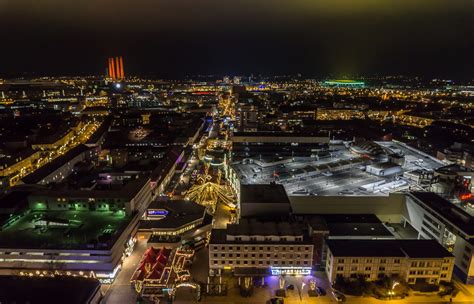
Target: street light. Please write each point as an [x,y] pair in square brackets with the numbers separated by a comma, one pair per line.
[391,292]
[395,284]
[301,290]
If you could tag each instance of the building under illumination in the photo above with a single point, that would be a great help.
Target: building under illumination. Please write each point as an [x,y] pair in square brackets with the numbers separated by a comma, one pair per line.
[86,232]
[437,218]
[170,223]
[81,243]
[345,83]
[256,247]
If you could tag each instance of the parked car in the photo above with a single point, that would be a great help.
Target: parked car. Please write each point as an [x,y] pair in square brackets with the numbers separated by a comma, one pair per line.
[338,296]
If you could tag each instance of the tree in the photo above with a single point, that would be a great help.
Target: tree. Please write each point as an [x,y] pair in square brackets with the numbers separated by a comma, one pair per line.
[340,282]
[386,282]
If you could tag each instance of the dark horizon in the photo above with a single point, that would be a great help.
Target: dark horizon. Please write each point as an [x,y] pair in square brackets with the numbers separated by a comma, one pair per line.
[174,39]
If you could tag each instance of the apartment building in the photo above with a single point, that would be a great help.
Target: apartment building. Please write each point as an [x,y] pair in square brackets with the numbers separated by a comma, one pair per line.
[410,260]
[255,247]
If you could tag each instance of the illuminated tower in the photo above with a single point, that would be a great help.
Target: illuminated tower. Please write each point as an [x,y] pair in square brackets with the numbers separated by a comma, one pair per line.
[117,66]
[115,69]
[112,74]
[122,73]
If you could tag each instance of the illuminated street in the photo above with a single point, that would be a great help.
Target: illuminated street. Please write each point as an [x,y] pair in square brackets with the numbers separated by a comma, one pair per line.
[80,137]
[261,295]
[222,216]
[236,152]
[121,290]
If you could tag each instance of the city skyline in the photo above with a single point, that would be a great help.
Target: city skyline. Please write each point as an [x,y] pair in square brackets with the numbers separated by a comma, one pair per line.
[236,151]
[131,189]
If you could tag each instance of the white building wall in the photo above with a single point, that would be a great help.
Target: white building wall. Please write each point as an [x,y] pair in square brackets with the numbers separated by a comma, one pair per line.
[414,215]
[427,225]
[463,256]
[373,268]
[231,256]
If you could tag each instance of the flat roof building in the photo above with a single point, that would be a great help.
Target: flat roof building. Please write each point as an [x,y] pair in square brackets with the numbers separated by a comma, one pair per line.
[410,260]
[264,200]
[384,169]
[259,247]
[171,222]
[436,218]
[86,243]
[356,226]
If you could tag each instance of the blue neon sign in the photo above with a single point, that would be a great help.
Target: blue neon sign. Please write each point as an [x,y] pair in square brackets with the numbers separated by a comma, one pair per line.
[157,212]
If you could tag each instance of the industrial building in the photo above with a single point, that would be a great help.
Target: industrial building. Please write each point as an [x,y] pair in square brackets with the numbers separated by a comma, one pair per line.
[115,69]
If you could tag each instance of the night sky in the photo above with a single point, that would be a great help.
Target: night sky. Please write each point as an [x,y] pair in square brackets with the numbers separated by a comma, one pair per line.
[173,38]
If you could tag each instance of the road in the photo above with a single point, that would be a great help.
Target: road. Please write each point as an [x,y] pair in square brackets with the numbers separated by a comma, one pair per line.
[121,291]
[221,216]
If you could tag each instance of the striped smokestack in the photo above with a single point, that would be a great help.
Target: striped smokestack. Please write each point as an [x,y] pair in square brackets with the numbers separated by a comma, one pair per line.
[117,65]
[122,73]
[112,69]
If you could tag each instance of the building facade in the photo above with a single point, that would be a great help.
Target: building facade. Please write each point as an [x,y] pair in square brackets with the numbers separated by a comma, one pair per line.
[437,218]
[410,260]
[260,248]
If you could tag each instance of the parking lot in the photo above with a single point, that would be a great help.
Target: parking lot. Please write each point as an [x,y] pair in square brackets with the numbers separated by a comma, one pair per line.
[339,173]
